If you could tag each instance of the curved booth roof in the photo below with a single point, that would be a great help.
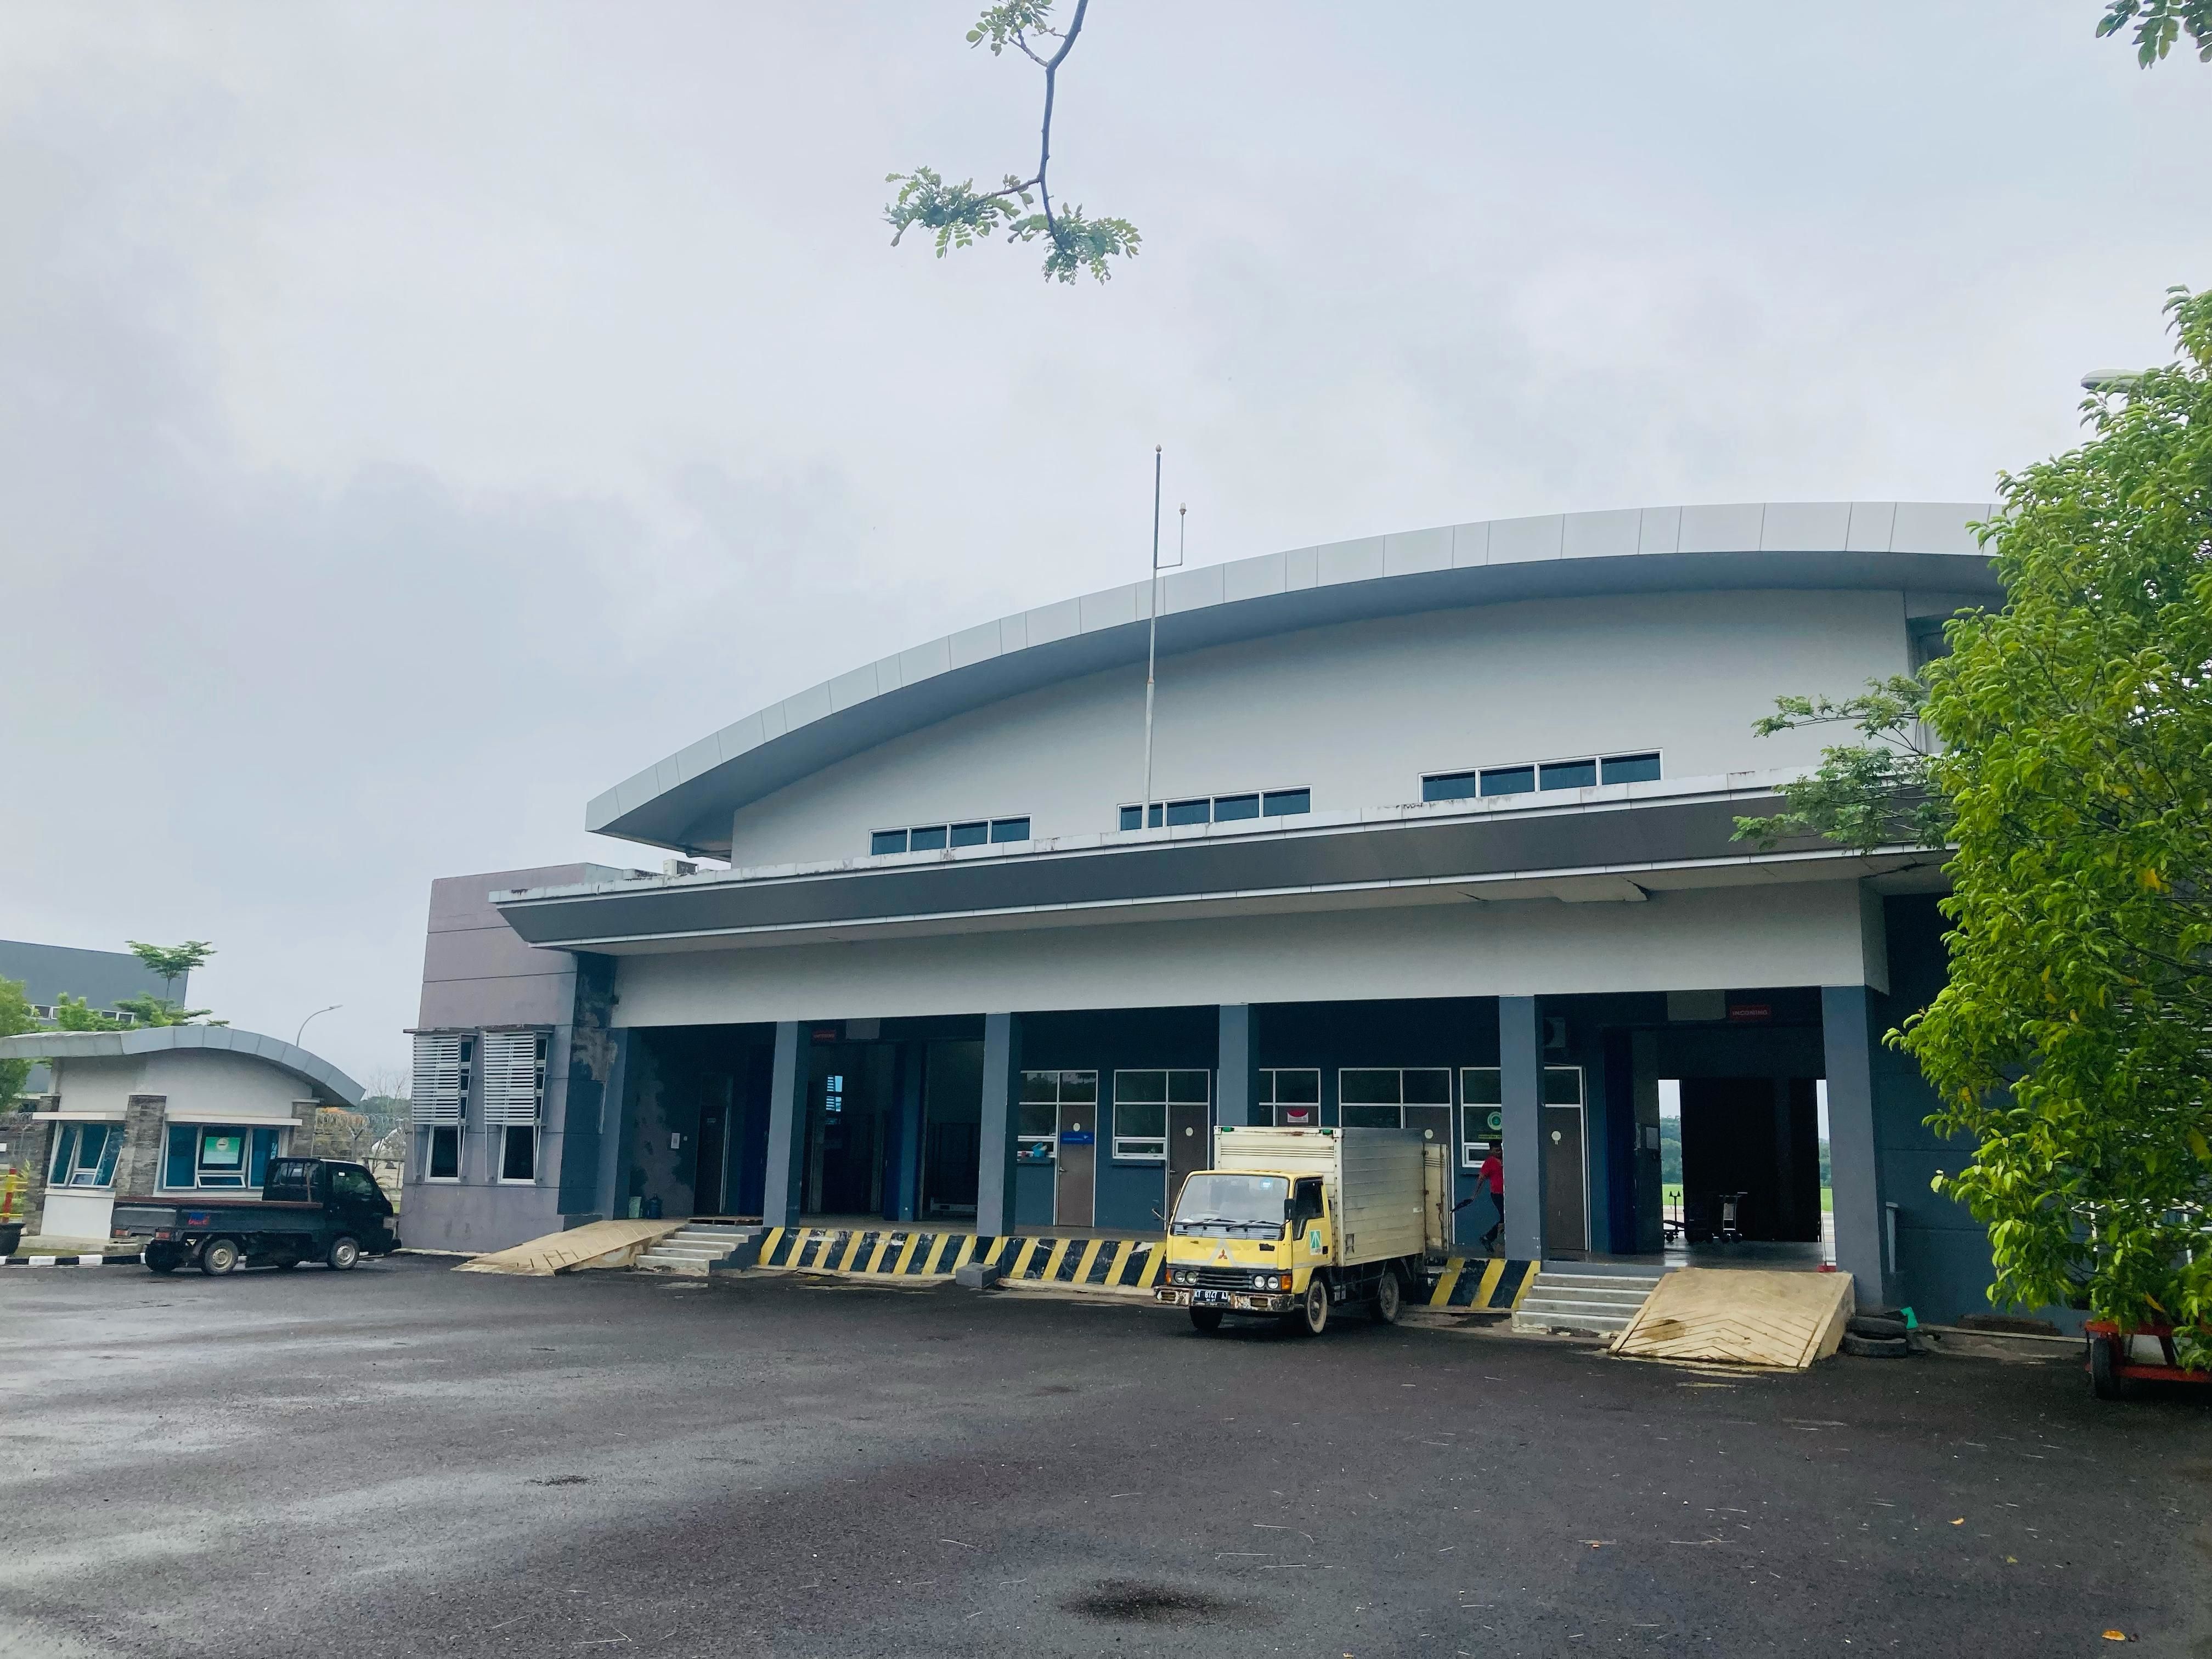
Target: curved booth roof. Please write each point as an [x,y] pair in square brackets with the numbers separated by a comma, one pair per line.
[328,1083]
[686,801]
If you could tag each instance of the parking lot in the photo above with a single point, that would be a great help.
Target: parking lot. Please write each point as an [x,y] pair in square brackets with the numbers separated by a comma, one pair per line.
[408,1461]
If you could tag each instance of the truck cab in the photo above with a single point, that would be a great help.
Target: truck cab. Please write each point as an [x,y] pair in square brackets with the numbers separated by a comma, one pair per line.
[1291,1222]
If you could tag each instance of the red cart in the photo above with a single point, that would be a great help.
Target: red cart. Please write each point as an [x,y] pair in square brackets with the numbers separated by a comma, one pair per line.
[2113,1366]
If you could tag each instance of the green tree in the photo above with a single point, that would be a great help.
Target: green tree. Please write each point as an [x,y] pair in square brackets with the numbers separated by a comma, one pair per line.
[16,1018]
[959,214]
[2072,777]
[74,1014]
[2159,24]
[171,961]
[160,1011]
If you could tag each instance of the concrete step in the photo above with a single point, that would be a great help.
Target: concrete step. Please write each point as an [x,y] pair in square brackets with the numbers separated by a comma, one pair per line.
[696,1248]
[1599,1304]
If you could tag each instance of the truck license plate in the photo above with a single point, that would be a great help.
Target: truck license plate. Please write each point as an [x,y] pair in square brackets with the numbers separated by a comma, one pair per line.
[1210,1298]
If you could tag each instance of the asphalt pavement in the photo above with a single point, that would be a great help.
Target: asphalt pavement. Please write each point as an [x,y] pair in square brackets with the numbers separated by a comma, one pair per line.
[408,1461]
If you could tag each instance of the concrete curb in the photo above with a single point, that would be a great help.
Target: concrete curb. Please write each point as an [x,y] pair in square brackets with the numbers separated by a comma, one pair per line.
[131,1260]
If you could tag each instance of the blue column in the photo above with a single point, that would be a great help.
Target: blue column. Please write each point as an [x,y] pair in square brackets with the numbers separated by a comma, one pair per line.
[1521,1094]
[1002,1089]
[1854,1158]
[786,1126]
[906,1203]
[1233,1085]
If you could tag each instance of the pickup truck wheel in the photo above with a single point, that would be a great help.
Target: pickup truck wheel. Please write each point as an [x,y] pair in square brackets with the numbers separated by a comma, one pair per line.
[1206,1319]
[1388,1296]
[163,1258]
[1312,1317]
[218,1256]
[344,1251]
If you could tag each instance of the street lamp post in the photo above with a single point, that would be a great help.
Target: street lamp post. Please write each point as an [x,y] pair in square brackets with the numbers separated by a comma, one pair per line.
[302,1031]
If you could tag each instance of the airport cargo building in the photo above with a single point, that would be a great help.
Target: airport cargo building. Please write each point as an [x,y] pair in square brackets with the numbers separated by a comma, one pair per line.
[1439,837]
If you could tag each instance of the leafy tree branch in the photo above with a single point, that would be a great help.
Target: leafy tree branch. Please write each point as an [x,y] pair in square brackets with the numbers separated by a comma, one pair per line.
[957,215]
[2159,24]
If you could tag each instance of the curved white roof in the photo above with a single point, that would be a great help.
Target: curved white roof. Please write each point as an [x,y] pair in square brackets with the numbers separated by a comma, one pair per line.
[685,802]
[328,1083]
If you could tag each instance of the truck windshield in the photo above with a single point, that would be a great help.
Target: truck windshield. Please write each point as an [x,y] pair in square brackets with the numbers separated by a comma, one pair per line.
[1217,1205]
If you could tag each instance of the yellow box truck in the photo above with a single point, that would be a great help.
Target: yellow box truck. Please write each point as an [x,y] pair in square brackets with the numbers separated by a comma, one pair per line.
[1290,1224]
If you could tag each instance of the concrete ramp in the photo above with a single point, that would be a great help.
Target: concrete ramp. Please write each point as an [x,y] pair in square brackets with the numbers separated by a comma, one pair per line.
[594,1244]
[1741,1316]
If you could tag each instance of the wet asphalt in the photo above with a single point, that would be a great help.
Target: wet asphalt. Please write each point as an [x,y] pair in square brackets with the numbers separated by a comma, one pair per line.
[408,1461]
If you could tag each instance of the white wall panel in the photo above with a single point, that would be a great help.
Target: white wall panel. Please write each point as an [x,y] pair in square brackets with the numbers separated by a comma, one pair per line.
[1359,711]
[1802,933]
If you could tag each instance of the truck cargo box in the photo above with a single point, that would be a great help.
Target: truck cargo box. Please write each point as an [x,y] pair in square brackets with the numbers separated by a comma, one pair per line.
[1375,1179]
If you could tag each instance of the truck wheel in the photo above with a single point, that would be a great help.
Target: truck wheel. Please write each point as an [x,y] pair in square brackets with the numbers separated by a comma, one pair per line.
[163,1258]
[218,1256]
[1312,1317]
[1206,1319]
[1388,1296]
[344,1251]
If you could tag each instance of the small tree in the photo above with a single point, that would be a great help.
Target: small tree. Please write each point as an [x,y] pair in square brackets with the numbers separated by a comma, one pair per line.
[960,213]
[16,1018]
[171,961]
[2072,1042]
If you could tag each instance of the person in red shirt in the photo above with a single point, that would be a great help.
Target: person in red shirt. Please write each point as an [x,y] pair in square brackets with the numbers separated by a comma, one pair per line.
[1492,1175]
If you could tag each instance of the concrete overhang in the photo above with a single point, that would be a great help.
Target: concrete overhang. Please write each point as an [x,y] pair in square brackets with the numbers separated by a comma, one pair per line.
[329,1084]
[1618,843]
[686,801]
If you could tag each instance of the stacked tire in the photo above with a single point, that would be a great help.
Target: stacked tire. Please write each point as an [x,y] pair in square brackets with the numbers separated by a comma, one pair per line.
[1881,1336]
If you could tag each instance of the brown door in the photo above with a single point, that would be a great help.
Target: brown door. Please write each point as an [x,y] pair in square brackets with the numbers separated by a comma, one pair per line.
[1567,1180]
[1190,1147]
[1071,1203]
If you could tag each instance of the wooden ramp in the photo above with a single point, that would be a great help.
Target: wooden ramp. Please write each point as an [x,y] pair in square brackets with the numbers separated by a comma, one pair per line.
[1742,1315]
[594,1244]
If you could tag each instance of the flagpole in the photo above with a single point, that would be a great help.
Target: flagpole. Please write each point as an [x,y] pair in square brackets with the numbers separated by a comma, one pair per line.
[1151,648]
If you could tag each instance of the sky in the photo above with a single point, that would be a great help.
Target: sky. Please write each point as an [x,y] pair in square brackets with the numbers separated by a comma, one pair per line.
[414,419]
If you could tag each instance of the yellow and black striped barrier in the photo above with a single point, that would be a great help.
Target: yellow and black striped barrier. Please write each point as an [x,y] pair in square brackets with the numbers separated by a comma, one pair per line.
[1479,1284]
[903,1252]
[1462,1284]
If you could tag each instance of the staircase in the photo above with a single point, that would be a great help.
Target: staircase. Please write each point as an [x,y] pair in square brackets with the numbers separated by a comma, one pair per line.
[695,1247]
[1591,1299]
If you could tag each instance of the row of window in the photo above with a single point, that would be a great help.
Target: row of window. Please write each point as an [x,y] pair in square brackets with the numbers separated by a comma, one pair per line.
[194,1156]
[1368,1097]
[936,837]
[1585,772]
[1221,808]
[1582,772]
[46,1011]
[505,1070]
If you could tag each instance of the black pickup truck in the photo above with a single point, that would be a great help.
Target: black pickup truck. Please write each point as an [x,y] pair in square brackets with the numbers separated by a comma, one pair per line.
[311,1209]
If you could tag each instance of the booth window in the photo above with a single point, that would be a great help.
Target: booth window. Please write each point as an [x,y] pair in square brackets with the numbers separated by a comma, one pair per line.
[1289,1097]
[1140,1109]
[218,1155]
[84,1155]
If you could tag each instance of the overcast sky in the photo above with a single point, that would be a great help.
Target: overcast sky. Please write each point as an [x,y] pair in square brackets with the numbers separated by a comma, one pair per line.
[414,419]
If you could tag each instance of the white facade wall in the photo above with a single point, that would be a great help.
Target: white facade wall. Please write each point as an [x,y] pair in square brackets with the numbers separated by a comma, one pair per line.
[1358,712]
[1772,933]
[208,1083]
